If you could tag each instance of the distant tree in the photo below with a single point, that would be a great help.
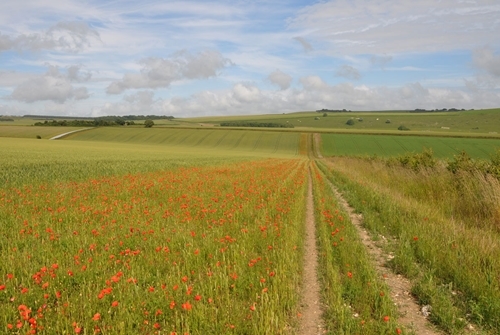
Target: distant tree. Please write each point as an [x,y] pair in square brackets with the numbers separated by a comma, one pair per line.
[149,123]
[325,115]
[350,122]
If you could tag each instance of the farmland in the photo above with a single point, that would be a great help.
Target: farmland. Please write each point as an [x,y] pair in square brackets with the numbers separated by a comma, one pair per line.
[200,229]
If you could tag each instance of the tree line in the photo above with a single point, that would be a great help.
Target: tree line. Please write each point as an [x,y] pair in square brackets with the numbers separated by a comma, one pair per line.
[255,124]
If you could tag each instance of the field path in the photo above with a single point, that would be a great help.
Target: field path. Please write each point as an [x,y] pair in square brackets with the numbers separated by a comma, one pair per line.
[311,322]
[409,310]
[69,132]
[410,313]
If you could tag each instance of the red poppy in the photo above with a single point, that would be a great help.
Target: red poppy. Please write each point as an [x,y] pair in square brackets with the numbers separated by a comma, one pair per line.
[187,306]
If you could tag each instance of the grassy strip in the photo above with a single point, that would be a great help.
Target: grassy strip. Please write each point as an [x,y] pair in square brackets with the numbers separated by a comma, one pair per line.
[454,267]
[356,299]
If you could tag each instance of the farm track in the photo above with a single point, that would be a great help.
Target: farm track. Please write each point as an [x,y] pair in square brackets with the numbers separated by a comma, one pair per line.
[68,133]
[311,322]
[400,287]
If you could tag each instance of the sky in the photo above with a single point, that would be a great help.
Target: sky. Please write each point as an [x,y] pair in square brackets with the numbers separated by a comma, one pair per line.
[232,57]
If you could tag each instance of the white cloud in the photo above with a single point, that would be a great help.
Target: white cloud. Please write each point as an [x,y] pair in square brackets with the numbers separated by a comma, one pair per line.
[486,60]
[305,44]
[53,85]
[313,83]
[317,94]
[380,60]
[348,72]
[281,79]
[10,110]
[64,36]
[246,93]
[386,26]
[161,72]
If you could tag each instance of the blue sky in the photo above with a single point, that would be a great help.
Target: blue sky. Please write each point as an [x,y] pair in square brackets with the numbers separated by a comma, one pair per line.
[198,58]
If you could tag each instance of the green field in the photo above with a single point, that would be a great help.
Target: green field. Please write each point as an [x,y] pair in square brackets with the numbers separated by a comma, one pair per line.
[232,140]
[32,131]
[386,146]
[463,123]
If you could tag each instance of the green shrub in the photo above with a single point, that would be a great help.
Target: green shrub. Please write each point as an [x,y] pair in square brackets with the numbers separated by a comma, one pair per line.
[417,161]
[350,122]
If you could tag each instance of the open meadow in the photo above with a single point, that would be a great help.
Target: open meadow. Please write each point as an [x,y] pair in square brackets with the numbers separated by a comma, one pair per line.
[200,229]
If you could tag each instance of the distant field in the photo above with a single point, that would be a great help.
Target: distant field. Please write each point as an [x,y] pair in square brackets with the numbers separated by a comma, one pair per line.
[205,139]
[33,132]
[383,145]
[480,122]
[29,161]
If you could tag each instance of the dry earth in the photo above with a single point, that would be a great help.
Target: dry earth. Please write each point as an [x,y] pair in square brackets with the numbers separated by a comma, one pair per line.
[311,322]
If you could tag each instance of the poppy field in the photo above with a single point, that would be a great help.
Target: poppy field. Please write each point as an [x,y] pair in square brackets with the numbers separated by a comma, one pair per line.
[211,249]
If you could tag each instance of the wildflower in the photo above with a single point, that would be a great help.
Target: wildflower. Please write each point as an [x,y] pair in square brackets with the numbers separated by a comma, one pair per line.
[114,304]
[386,318]
[96,317]
[349,274]
[187,306]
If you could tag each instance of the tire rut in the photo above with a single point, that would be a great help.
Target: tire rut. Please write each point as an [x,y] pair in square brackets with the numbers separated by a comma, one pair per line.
[311,322]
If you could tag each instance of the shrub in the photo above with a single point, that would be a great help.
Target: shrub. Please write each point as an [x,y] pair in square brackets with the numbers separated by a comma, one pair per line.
[350,122]
[402,127]
[149,123]
[417,161]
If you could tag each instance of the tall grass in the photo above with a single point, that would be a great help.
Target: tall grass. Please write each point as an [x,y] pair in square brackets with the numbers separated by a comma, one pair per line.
[444,228]
[356,299]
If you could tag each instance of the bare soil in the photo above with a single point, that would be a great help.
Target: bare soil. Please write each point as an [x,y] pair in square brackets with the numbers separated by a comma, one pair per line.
[311,322]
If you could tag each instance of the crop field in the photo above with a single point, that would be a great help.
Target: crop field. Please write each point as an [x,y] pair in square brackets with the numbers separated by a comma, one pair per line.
[131,230]
[386,146]
[198,250]
[233,140]
[33,132]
